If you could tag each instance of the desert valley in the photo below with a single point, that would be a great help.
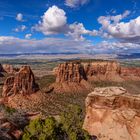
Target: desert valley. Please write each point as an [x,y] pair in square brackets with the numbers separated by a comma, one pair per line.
[107,91]
[70,70]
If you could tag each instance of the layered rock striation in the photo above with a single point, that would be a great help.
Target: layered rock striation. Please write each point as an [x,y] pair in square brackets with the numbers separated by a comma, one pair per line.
[70,77]
[23,82]
[110,71]
[103,70]
[113,113]
[70,72]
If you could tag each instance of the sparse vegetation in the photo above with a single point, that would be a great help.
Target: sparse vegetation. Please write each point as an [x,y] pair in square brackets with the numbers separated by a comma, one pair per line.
[69,127]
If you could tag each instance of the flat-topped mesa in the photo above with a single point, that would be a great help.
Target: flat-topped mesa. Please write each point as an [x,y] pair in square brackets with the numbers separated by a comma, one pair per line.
[113,113]
[70,72]
[23,82]
[103,70]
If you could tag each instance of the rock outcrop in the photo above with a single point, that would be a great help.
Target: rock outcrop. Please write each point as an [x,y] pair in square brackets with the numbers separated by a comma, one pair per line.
[70,77]
[23,82]
[110,71]
[70,72]
[113,114]
[103,71]
[9,69]
[130,73]
[8,86]
[11,126]
[1,70]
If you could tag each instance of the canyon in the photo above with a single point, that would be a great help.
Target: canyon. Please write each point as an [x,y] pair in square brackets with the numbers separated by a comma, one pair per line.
[111,112]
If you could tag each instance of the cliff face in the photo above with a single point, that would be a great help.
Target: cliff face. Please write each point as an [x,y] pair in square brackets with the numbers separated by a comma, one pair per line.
[70,77]
[70,72]
[113,113]
[103,70]
[129,73]
[110,71]
[1,70]
[23,82]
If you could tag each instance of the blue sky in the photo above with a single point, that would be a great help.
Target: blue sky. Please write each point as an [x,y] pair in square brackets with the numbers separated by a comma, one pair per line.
[77,26]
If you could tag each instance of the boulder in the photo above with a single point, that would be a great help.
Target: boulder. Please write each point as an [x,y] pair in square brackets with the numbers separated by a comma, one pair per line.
[113,114]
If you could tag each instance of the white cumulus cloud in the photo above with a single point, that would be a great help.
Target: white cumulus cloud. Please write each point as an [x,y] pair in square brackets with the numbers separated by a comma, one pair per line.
[19,17]
[53,21]
[28,36]
[75,3]
[126,31]
[20,28]
[10,44]
[77,30]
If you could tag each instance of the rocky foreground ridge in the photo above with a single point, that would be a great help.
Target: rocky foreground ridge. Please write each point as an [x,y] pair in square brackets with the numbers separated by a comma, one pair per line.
[113,114]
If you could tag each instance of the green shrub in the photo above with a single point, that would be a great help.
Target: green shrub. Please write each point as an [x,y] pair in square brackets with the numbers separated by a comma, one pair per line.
[69,127]
[72,122]
[38,129]
[9,110]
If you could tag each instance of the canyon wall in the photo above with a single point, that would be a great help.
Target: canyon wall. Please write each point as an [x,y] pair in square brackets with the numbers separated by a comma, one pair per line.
[103,71]
[70,77]
[110,71]
[113,114]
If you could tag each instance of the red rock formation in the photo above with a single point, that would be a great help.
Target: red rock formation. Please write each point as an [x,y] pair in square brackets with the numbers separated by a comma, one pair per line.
[103,70]
[10,129]
[130,73]
[113,113]
[23,82]
[9,69]
[70,77]
[8,86]
[70,72]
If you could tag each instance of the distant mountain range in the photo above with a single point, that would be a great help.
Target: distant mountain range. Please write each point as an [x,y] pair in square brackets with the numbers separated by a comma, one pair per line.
[116,56]
[129,56]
